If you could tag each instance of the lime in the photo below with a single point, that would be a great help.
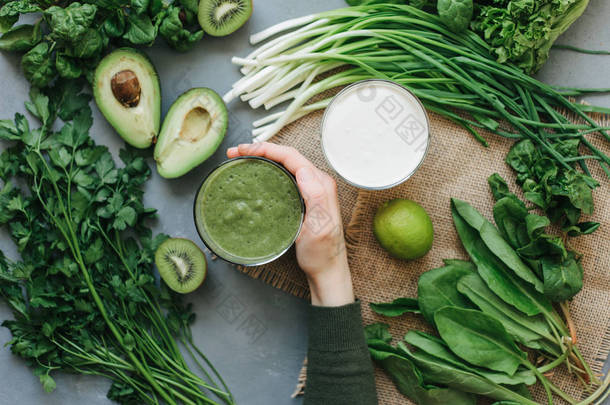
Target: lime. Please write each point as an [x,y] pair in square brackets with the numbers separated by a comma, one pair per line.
[403,228]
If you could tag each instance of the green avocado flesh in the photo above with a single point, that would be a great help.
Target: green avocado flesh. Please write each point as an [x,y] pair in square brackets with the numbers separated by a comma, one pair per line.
[127,92]
[250,210]
[193,129]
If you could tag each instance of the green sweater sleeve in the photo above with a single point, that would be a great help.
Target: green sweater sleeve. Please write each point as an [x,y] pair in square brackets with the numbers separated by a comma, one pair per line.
[339,367]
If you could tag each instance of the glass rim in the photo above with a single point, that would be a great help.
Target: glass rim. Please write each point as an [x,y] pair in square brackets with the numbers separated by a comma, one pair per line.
[325,117]
[235,259]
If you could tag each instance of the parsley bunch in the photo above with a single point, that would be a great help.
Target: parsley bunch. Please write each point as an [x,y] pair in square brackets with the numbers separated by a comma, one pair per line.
[84,296]
[71,37]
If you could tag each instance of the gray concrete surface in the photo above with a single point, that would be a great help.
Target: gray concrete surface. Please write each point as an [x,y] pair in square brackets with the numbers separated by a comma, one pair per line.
[255,334]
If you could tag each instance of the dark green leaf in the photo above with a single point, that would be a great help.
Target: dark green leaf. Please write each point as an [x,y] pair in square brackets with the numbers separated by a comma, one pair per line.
[456,14]
[21,38]
[496,243]
[499,187]
[140,6]
[378,331]
[89,44]
[140,30]
[562,278]
[48,384]
[435,347]
[38,65]
[479,339]
[399,306]
[525,329]
[583,228]
[497,276]
[443,373]
[70,23]
[67,67]
[522,156]
[437,288]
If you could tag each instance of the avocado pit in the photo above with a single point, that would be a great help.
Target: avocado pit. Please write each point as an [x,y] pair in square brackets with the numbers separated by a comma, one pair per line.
[126,88]
[196,125]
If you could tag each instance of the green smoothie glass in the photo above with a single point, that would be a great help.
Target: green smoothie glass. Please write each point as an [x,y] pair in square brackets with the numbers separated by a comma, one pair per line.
[249,210]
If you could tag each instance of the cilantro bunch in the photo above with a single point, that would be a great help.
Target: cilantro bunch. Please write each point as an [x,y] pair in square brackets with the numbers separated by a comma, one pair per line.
[83,294]
[71,37]
[522,32]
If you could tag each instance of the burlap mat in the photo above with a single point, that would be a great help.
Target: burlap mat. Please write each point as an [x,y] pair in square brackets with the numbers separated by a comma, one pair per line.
[456,166]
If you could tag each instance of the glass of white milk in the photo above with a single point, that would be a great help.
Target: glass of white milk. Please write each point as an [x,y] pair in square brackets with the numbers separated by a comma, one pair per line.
[375,134]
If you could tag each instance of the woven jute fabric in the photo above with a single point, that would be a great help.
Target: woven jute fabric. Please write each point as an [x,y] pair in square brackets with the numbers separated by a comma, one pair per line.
[456,166]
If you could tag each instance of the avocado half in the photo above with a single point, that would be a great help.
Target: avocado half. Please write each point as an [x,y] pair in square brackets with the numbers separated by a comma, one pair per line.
[127,92]
[193,129]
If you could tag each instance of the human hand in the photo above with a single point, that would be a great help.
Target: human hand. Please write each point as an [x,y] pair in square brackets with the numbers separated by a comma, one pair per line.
[320,246]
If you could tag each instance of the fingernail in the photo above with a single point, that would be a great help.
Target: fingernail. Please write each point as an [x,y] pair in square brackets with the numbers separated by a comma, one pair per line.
[305,175]
[243,145]
[232,150]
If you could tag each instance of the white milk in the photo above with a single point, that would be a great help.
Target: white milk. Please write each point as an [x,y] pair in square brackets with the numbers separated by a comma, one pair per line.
[375,134]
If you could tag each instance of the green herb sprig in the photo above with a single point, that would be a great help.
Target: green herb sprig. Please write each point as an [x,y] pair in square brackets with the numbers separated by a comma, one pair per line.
[84,296]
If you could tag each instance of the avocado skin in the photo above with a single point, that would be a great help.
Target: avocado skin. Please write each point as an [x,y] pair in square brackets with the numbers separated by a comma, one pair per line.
[190,162]
[134,134]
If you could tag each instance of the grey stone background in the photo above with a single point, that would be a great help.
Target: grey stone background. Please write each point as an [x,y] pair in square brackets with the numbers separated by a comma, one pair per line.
[256,335]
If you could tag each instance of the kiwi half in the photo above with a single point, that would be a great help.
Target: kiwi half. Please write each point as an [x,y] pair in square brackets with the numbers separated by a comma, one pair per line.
[222,17]
[182,265]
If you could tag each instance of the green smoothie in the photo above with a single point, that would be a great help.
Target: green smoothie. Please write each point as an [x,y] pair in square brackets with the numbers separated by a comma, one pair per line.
[249,211]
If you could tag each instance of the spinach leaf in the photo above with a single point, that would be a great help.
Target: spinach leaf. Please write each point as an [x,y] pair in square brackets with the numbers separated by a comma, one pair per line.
[496,243]
[498,186]
[495,273]
[397,307]
[70,23]
[410,382]
[522,156]
[443,373]
[67,67]
[21,38]
[378,331]
[174,32]
[38,65]
[509,214]
[140,30]
[479,339]
[437,348]
[525,329]
[455,14]
[563,278]
[437,288]
[583,228]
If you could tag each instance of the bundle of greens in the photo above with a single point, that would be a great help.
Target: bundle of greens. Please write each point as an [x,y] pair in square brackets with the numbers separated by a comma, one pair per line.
[71,37]
[486,311]
[83,294]
[518,32]
[522,32]
[413,48]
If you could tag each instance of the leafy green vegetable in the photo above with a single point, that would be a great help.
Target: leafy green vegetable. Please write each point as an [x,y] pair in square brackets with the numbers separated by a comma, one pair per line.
[479,339]
[399,306]
[410,383]
[437,348]
[80,32]
[562,193]
[525,329]
[562,278]
[174,32]
[437,288]
[496,243]
[83,293]
[455,14]
[522,32]
[21,38]
[441,372]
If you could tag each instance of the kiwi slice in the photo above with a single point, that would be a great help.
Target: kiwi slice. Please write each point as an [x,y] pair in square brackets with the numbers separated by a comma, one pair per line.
[222,17]
[181,264]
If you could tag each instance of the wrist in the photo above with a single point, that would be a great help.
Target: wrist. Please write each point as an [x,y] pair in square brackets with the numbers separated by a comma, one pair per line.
[332,287]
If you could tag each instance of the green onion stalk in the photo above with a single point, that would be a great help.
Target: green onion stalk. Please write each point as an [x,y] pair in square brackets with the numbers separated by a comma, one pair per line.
[454,75]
